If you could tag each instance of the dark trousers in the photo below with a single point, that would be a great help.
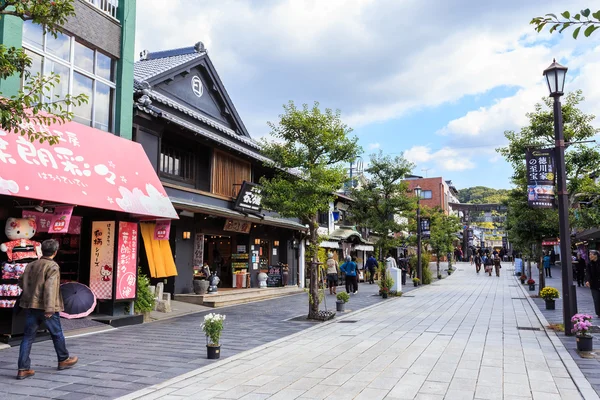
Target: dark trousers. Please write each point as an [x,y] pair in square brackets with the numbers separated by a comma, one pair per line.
[33,319]
[596,297]
[371,275]
[580,277]
[548,272]
[351,284]
[403,276]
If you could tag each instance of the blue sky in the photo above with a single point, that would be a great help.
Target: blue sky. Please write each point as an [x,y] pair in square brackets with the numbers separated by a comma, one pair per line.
[438,82]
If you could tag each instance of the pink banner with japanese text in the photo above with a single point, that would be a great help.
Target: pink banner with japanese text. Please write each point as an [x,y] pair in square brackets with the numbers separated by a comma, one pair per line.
[44,222]
[87,167]
[127,260]
[162,229]
[61,219]
[102,260]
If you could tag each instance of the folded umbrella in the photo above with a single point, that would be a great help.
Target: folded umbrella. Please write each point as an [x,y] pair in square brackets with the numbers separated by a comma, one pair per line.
[79,300]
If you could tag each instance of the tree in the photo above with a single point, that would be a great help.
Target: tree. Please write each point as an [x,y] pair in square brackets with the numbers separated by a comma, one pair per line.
[31,105]
[307,151]
[443,230]
[579,20]
[526,226]
[482,195]
[380,202]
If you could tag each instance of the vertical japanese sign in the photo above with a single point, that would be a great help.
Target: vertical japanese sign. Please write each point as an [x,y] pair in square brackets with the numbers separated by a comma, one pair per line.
[540,178]
[162,229]
[198,258]
[61,219]
[101,265]
[126,260]
[425,228]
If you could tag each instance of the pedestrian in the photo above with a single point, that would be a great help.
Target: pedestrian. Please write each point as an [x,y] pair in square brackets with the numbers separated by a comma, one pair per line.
[332,273]
[477,260]
[350,269]
[403,265]
[547,266]
[372,266]
[581,267]
[488,264]
[552,257]
[42,302]
[497,264]
[460,254]
[390,262]
[593,279]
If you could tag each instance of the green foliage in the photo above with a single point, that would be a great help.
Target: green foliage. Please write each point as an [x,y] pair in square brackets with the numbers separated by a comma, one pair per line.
[482,195]
[426,273]
[343,297]
[145,299]
[21,113]
[385,280]
[382,198]
[443,230]
[307,153]
[526,226]
[212,327]
[416,280]
[549,293]
[394,293]
[579,20]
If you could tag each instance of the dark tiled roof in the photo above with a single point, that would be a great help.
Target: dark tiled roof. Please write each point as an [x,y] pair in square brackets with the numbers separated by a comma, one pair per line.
[153,64]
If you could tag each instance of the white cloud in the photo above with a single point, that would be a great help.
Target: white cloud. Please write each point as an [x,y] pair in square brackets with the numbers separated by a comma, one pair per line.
[445,159]
[374,146]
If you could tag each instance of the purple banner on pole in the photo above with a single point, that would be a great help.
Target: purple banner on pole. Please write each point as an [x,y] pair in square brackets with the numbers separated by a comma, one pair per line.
[540,178]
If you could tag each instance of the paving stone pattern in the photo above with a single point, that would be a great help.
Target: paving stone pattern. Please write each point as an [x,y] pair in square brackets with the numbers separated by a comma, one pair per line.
[585,305]
[455,339]
[121,361]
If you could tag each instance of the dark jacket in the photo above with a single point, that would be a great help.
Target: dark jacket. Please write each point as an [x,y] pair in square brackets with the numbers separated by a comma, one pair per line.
[593,274]
[371,263]
[41,286]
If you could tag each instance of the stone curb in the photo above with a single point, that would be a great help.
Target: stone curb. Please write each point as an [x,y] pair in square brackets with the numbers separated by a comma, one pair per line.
[155,388]
[584,387]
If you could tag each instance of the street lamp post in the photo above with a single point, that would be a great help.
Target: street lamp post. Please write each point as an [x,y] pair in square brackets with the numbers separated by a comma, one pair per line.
[419,267]
[555,77]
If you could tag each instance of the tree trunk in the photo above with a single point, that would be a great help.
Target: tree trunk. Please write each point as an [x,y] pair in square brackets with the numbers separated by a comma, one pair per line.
[542,278]
[438,265]
[313,304]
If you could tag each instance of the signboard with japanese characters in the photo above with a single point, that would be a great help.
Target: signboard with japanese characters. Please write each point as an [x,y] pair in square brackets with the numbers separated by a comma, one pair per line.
[44,222]
[235,225]
[61,219]
[162,229]
[540,178]
[102,260]
[425,228]
[198,258]
[125,274]
[249,198]
[86,167]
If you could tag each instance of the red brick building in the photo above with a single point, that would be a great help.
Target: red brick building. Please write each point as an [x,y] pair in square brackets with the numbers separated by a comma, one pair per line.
[435,192]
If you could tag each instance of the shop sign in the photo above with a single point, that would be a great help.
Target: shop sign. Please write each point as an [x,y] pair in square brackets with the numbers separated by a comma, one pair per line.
[60,219]
[102,260]
[127,260]
[198,250]
[249,198]
[162,229]
[44,222]
[425,228]
[551,242]
[234,225]
[540,178]
[86,167]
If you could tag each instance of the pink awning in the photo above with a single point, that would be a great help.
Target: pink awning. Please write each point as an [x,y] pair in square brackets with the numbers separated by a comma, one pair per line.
[88,167]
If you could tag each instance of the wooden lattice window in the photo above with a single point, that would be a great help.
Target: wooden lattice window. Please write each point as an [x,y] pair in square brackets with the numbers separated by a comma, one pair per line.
[177,163]
[228,173]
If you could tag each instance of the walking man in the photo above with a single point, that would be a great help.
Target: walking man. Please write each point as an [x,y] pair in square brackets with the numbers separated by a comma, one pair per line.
[371,265]
[593,279]
[497,265]
[477,260]
[332,273]
[42,301]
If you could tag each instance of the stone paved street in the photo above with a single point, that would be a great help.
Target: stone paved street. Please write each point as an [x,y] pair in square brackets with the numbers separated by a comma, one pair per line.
[467,337]
[124,360]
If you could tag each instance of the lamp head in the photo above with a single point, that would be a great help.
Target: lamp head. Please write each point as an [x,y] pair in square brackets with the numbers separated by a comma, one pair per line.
[555,78]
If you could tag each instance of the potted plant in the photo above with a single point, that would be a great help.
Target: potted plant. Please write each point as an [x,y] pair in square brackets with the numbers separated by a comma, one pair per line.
[549,294]
[439,276]
[145,301]
[212,328]
[450,270]
[385,291]
[416,281]
[581,328]
[531,284]
[523,278]
[342,299]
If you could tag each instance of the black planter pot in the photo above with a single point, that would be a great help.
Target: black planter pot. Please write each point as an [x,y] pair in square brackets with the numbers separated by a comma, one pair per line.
[340,306]
[550,305]
[532,287]
[384,295]
[213,352]
[416,284]
[584,343]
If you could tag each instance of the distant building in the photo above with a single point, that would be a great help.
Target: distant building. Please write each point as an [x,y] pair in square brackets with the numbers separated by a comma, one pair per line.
[435,192]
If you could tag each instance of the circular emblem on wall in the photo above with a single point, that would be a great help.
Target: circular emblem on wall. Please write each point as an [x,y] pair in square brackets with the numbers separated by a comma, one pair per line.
[197,87]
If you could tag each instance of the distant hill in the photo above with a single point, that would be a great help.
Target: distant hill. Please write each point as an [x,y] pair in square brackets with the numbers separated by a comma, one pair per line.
[482,195]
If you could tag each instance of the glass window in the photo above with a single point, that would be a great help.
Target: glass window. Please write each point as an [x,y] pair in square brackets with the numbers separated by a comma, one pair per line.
[83,84]
[34,69]
[426,194]
[104,66]
[60,89]
[33,34]
[84,57]
[103,106]
[59,46]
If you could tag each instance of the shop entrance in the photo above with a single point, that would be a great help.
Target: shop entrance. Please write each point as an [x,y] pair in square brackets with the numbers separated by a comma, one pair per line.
[228,255]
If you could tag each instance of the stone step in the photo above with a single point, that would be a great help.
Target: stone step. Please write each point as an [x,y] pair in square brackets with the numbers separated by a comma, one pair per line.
[231,297]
